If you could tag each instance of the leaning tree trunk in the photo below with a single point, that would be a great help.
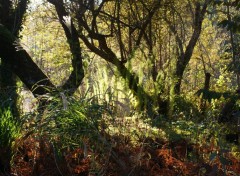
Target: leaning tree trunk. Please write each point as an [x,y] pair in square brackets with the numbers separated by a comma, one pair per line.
[22,64]
[12,19]
[16,61]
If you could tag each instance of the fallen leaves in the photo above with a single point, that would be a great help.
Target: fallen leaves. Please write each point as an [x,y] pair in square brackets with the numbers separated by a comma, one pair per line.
[37,156]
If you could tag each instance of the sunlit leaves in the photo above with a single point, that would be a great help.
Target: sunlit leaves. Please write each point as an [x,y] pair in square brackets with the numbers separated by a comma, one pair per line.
[47,43]
[9,128]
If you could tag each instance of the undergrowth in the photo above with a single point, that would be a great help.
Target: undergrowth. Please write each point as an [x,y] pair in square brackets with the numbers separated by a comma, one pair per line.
[81,136]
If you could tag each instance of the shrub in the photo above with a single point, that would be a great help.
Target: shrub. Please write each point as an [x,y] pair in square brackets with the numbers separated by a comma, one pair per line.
[10,129]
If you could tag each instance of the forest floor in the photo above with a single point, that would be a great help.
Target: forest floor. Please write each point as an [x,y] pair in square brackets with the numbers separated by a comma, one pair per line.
[156,158]
[127,147]
[153,157]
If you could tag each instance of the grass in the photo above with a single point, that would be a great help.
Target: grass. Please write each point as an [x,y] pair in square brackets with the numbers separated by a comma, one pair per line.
[85,137]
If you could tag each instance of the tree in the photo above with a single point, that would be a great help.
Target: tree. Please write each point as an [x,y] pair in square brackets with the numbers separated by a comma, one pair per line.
[22,64]
[16,60]
[91,17]
[7,78]
[230,21]
[185,49]
[229,10]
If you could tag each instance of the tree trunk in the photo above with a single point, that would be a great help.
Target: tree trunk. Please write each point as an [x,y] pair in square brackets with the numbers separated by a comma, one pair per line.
[180,67]
[22,64]
[206,88]
[14,59]
[5,160]
[185,56]
[8,89]
[77,75]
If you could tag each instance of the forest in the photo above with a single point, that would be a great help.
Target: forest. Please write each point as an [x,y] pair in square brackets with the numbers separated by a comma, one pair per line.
[119,87]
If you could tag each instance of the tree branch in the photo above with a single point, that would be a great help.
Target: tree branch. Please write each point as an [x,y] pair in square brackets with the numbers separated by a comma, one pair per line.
[77,75]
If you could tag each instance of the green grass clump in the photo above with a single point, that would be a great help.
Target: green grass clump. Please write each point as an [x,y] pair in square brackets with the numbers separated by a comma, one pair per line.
[10,128]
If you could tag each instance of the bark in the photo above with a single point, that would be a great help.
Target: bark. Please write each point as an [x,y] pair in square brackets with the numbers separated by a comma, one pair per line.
[8,89]
[185,56]
[5,159]
[207,81]
[22,64]
[77,75]
[203,102]
[5,13]
[106,53]
[12,18]
[132,79]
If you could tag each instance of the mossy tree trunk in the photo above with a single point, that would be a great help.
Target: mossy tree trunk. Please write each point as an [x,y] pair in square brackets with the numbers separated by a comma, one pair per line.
[89,33]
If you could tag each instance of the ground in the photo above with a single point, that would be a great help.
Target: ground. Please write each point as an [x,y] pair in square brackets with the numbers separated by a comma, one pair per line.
[154,157]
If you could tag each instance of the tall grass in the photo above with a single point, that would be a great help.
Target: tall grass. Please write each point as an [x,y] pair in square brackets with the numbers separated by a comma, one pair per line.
[70,122]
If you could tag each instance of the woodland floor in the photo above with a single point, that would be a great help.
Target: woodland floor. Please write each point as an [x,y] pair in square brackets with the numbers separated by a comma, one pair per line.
[154,158]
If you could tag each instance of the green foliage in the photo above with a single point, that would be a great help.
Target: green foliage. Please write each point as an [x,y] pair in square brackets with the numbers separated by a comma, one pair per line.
[211,95]
[186,107]
[44,39]
[10,128]
[71,123]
